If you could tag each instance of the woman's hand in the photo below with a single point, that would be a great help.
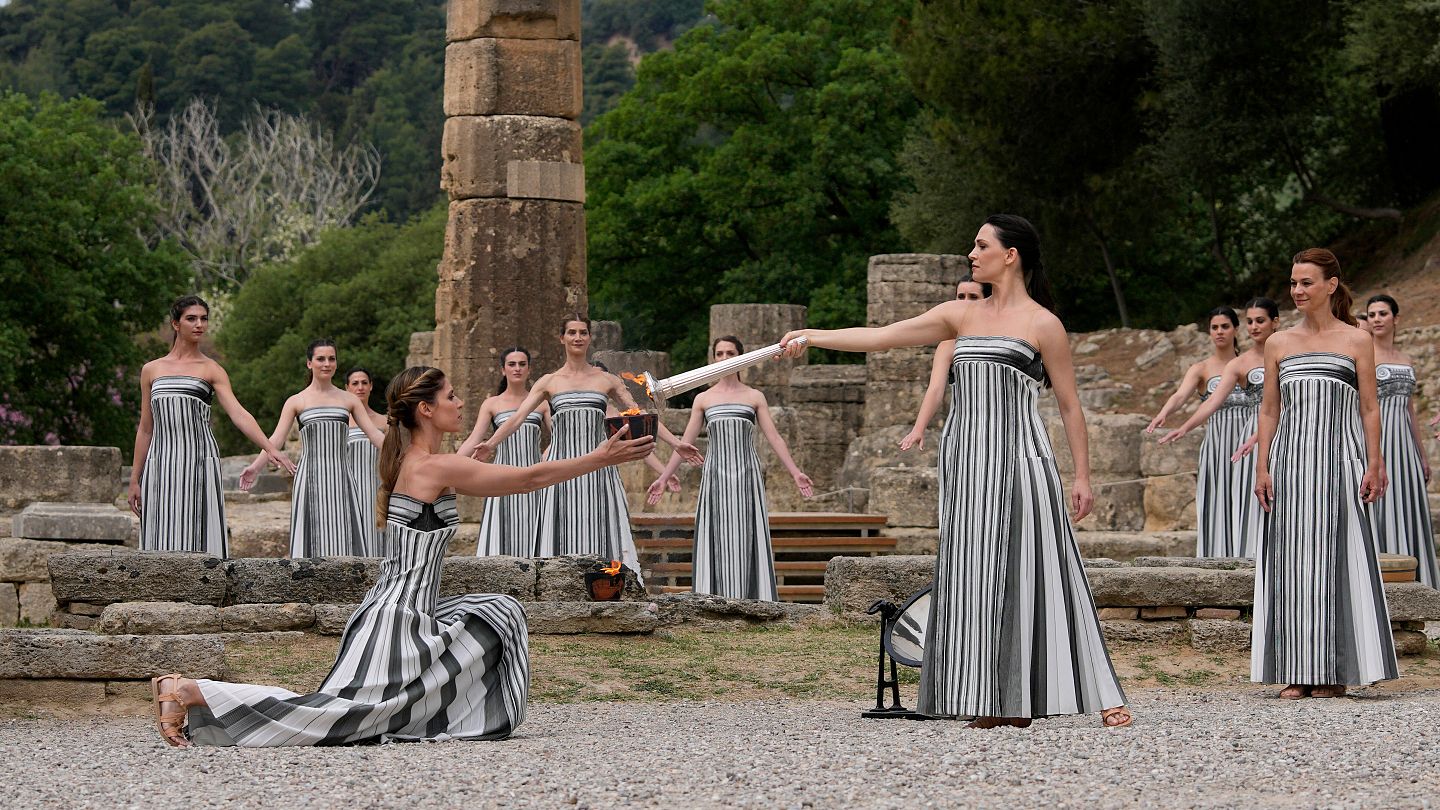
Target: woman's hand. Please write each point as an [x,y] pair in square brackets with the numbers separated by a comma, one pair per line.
[915,438]
[690,453]
[280,460]
[134,498]
[657,490]
[792,345]
[250,473]
[1156,423]
[1372,486]
[484,451]
[1245,447]
[1265,489]
[617,449]
[1082,500]
[1173,436]
[807,487]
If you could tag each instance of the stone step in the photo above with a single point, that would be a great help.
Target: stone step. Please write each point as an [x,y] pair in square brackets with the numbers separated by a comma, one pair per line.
[75,654]
[76,522]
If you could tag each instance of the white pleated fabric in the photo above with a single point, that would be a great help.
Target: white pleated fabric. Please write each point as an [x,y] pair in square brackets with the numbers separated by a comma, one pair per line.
[509,522]
[585,515]
[1320,615]
[363,458]
[324,508]
[732,555]
[182,505]
[1012,630]
[411,666]
[1228,515]
[1402,516]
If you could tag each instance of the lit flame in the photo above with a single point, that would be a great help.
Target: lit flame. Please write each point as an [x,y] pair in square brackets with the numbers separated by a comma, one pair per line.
[631,412]
[613,569]
[638,380]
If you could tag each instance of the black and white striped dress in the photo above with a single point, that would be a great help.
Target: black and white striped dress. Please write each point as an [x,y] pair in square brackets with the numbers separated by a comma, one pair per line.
[732,524]
[585,515]
[182,505]
[411,666]
[508,524]
[1225,502]
[324,516]
[363,457]
[1320,614]
[1402,516]
[1013,630]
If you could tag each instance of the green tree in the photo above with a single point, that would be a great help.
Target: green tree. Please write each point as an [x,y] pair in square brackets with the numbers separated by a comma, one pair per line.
[755,162]
[367,287]
[608,76]
[80,280]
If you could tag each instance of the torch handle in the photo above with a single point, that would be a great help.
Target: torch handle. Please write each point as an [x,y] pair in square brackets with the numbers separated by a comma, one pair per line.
[661,390]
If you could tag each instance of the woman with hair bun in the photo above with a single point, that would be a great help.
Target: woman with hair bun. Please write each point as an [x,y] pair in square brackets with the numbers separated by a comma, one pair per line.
[1320,621]
[363,457]
[1229,413]
[508,523]
[175,475]
[1012,633]
[1223,434]
[1402,517]
[326,518]
[412,665]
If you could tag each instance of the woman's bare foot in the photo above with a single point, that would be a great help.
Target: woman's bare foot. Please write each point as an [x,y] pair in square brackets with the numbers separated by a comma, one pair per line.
[1295,691]
[1118,717]
[995,722]
[1329,691]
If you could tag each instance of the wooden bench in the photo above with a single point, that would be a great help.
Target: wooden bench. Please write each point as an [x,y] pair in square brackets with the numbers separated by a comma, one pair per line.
[802,542]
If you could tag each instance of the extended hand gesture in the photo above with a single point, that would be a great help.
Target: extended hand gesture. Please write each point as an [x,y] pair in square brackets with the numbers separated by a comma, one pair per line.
[618,449]
[807,487]
[690,453]
[657,489]
[915,438]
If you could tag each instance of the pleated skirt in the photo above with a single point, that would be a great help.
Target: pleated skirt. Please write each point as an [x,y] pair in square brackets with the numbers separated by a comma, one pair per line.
[733,556]
[182,503]
[509,523]
[1402,516]
[1228,516]
[363,458]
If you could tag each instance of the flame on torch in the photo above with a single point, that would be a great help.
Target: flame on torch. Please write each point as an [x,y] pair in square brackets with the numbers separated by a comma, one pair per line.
[613,569]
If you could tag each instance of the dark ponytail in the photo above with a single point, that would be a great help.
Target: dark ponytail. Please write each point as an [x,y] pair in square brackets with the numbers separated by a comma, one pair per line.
[1271,308]
[1017,232]
[410,387]
[1341,301]
[504,383]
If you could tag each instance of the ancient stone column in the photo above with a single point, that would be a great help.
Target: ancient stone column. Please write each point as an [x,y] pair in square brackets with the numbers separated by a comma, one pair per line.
[759,325]
[900,286]
[514,260]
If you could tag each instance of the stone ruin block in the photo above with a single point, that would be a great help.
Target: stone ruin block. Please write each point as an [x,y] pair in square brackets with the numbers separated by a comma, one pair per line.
[907,496]
[72,654]
[58,474]
[758,326]
[562,579]
[568,618]
[852,584]
[478,152]
[512,576]
[513,19]
[606,336]
[1170,503]
[829,384]
[1179,457]
[422,349]
[158,618]
[91,522]
[105,578]
[313,581]
[545,180]
[513,77]
[903,285]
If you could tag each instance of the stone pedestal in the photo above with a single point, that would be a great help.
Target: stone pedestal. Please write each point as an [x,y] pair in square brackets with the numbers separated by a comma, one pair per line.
[514,260]
[757,326]
[900,286]
[68,474]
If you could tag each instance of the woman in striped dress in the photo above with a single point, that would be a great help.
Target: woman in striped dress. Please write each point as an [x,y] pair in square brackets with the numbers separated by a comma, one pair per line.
[1320,621]
[968,289]
[588,515]
[1214,500]
[363,458]
[1229,414]
[1013,632]
[508,524]
[412,665]
[175,478]
[1402,517]
[325,516]
[732,556]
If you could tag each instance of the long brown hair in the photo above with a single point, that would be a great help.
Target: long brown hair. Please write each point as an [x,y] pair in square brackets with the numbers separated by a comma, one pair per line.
[1341,300]
[403,396]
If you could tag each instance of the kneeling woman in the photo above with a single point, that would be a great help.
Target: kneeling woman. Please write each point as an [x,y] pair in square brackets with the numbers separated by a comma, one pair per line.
[411,666]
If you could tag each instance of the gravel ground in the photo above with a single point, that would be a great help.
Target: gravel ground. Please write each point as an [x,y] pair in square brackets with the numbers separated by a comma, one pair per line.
[1226,748]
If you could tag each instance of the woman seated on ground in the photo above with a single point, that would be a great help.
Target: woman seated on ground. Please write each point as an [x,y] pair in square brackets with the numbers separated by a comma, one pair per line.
[411,666]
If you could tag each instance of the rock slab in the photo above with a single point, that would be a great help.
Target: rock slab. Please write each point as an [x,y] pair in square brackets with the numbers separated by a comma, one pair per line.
[74,654]
[88,522]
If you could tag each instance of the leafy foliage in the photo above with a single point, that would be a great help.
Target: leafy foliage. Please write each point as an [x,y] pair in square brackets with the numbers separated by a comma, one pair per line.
[755,162]
[366,287]
[78,276]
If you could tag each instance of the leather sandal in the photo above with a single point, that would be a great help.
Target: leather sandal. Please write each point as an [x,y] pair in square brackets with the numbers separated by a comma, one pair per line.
[996,722]
[1118,717]
[1328,691]
[1296,691]
[171,725]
